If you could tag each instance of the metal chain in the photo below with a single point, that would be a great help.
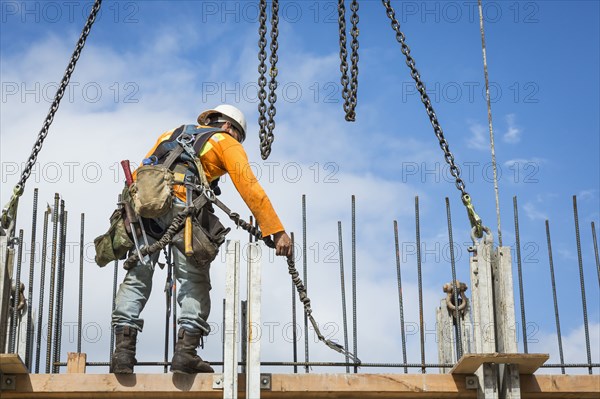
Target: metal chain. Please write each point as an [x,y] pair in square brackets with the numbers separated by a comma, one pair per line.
[273,74]
[349,84]
[9,212]
[266,128]
[448,156]
[262,80]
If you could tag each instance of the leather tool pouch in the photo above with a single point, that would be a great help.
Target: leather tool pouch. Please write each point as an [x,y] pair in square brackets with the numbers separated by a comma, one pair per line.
[152,192]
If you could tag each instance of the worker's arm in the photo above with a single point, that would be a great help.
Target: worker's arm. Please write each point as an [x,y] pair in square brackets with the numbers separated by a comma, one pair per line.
[235,162]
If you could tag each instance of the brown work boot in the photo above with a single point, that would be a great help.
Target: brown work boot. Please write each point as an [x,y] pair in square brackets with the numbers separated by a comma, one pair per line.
[123,358]
[185,358]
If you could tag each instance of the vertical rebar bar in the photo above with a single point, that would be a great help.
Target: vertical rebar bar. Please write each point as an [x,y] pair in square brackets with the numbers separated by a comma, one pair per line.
[294,333]
[250,236]
[354,325]
[400,299]
[244,340]
[454,287]
[52,281]
[420,284]
[114,297]
[12,348]
[595,241]
[28,349]
[556,317]
[223,337]
[60,281]
[38,347]
[343,288]
[80,303]
[168,293]
[174,310]
[305,275]
[520,274]
[581,279]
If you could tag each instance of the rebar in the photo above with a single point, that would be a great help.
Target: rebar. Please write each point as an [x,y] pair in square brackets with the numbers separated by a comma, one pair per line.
[52,283]
[59,285]
[343,288]
[305,275]
[12,348]
[114,294]
[223,338]
[38,347]
[354,325]
[80,303]
[168,293]
[520,274]
[420,283]
[114,297]
[457,326]
[294,333]
[319,364]
[595,241]
[28,354]
[581,279]
[244,340]
[400,299]
[556,317]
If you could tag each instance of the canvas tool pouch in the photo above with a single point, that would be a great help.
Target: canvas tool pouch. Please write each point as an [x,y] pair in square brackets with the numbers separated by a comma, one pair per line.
[208,234]
[115,243]
[152,192]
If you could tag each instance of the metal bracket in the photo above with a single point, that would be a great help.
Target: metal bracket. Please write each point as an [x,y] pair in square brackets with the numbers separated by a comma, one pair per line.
[217,381]
[472,382]
[265,382]
[7,382]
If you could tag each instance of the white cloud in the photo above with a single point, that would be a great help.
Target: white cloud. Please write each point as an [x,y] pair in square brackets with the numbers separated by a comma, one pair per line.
[513,133]
[478,139]
[533,213]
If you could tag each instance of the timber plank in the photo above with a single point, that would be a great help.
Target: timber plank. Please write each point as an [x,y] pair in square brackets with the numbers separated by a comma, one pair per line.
[76,362]
[11,363]
[528,362]
[291,386]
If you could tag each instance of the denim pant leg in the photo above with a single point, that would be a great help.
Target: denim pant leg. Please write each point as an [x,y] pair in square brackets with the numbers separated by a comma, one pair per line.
[133,294]
[193,293]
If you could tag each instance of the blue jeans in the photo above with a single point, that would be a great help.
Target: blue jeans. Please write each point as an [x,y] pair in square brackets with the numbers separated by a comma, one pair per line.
[193,283]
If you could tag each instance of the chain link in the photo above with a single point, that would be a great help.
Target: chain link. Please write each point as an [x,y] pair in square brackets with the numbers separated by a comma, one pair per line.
[20,186]
[349,84]
[266,127]
[448,156]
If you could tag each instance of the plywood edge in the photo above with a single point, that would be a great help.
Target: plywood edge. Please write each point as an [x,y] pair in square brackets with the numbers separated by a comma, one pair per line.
[528,363]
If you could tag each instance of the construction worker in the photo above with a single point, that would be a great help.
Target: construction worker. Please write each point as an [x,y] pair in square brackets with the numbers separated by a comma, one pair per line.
[222,153]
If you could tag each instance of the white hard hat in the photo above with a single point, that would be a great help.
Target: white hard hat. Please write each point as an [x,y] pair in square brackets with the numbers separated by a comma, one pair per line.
[231,113]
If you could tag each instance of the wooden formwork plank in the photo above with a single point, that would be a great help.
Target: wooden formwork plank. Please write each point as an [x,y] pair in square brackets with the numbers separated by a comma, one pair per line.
[528,362]
[292,386]
[76,362]
[11,363]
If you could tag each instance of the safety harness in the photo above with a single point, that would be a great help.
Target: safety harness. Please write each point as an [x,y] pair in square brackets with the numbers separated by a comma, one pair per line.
[183,145]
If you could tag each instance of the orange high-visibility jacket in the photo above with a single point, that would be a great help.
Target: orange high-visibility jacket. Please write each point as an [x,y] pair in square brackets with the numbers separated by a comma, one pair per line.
[224,154]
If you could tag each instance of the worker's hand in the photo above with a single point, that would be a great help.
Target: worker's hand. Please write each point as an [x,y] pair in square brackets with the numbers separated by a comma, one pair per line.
[283,244]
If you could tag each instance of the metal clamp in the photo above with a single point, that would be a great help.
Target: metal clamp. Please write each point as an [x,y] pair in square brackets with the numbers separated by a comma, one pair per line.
[8,382]
[474,218]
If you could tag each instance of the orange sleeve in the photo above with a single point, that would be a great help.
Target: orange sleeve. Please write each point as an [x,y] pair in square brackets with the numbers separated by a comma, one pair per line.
[236,163]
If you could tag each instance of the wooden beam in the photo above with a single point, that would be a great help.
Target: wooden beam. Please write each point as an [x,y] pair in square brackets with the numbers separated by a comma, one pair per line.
[76,362]
[528,362]
[11,363]
[292,386]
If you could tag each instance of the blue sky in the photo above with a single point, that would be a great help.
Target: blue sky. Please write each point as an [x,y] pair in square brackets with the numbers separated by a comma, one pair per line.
[152,65]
